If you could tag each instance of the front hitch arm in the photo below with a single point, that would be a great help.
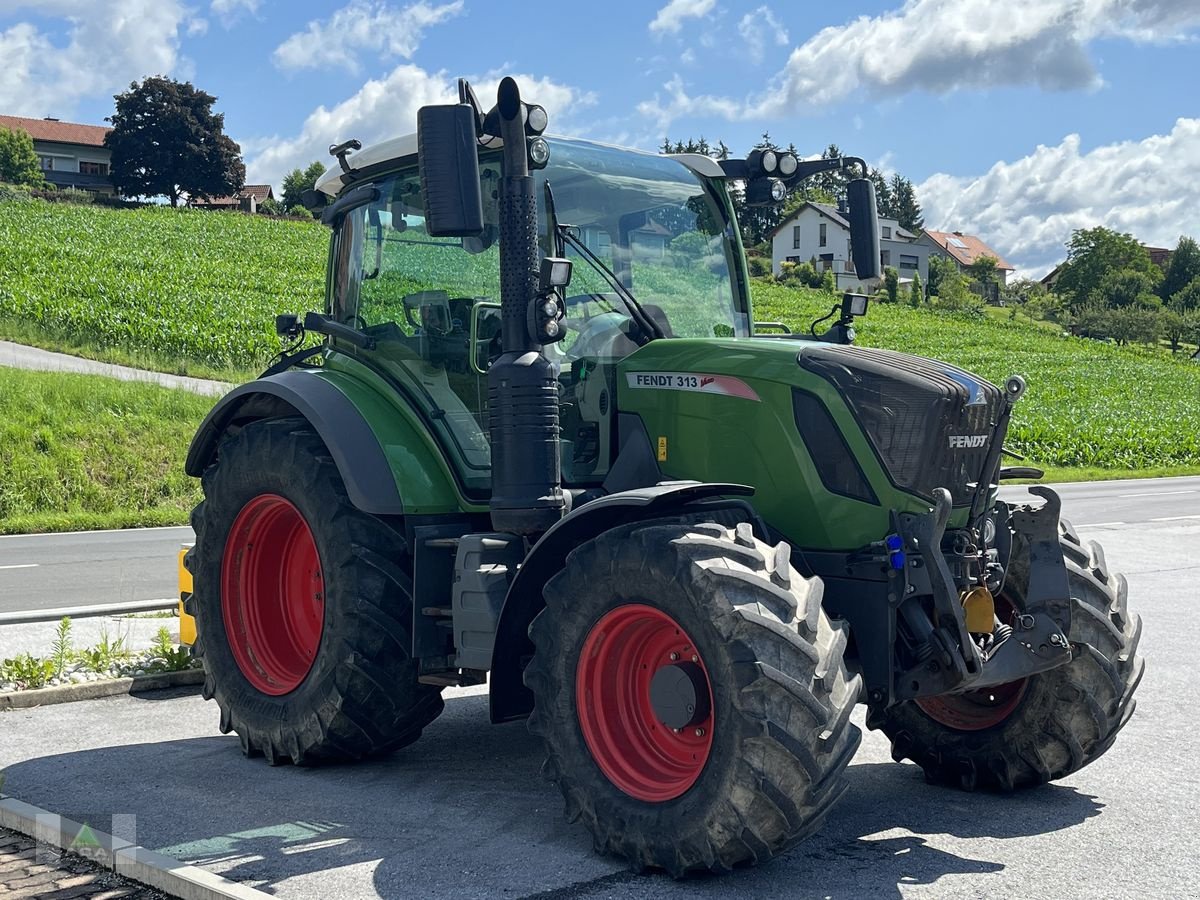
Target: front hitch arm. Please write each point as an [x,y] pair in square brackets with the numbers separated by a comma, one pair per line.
[1039,639]
[1040,633]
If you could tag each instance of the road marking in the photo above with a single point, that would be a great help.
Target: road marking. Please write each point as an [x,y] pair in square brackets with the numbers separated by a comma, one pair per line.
[1156,493]
[22,566]
[1173,518]
[1099,524]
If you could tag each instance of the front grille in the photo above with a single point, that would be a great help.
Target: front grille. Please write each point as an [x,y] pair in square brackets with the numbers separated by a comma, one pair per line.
[930,423]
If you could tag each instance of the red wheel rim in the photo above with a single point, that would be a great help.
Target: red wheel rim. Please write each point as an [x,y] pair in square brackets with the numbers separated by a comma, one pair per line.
[637,752]
[984,708]
[272,594]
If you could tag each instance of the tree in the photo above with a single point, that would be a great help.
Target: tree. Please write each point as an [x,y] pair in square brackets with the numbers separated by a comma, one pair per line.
[915,295]
[905,208]
[883,194]
[1131,324]
[1094,252]
[297,181]
[1178,327]
[1122,288]
[166,141]
[891,283]
[1188,299]
[19,163]
[1183,268]
[940,267]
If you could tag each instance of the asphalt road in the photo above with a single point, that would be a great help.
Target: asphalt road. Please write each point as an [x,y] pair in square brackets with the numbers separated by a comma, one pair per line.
[19,356]
[139,564]
[45,571]
[463,813]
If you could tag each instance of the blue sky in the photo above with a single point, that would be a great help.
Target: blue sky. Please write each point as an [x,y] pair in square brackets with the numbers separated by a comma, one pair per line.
[1018,121]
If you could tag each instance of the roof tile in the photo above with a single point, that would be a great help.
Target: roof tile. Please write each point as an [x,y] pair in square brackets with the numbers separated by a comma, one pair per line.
[53,130]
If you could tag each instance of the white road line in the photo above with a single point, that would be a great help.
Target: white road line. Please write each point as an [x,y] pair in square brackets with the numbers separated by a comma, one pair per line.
[1173,518]
[1157,493]
[22,566]
[1099,524]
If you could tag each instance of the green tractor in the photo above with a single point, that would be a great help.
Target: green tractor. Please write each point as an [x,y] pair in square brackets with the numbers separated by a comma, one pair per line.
[543,447]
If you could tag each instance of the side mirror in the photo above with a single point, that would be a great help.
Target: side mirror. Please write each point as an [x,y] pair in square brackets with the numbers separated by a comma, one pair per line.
[864,227]
[485,327]
[449,169]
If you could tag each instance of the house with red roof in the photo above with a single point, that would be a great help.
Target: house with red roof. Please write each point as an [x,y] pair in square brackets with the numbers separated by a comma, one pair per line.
[964,249]
[72,155]
[248,199]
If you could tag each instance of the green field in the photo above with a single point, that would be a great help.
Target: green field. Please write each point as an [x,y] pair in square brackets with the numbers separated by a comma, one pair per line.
[197,292]
[77,451]
[179,290]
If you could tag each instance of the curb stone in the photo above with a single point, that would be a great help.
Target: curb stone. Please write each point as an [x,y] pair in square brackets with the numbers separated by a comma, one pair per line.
[128,860]
[93,690]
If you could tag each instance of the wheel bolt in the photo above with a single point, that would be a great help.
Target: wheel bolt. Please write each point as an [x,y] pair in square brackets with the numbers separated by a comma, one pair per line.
[674,656]
[699,732]
[695,658]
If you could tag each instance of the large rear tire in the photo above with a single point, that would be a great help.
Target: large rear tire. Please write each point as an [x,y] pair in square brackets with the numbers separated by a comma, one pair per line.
[1046,726]
[692,696]
[302,605]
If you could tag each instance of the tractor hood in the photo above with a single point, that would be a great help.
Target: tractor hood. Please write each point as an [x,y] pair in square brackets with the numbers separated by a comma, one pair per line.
[928,423]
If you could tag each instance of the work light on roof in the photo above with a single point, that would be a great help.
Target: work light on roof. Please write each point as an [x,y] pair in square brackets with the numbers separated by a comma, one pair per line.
[536,119]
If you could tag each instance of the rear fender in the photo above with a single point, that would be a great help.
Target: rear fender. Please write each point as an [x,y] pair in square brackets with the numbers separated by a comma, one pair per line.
[510,699]
[371,456]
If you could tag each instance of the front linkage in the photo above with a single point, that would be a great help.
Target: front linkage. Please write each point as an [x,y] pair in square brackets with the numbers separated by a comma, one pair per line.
[948,657]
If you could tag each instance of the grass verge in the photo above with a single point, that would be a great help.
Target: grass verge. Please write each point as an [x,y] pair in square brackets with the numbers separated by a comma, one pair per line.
[81,452]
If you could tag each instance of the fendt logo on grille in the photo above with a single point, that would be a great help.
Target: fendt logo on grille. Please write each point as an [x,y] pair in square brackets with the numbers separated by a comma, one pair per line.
[968,441]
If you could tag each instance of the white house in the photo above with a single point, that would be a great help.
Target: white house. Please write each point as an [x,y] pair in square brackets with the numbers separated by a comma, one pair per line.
[822,233]
[71,155]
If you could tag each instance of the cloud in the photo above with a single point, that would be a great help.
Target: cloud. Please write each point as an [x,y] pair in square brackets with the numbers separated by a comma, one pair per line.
[108,44]
[229,11]
[1027,209]
[941,46]
[759,28]
[669,19]
[361,29]
[387,107]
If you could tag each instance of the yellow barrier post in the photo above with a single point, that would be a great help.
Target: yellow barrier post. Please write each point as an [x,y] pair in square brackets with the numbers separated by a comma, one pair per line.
[187,624]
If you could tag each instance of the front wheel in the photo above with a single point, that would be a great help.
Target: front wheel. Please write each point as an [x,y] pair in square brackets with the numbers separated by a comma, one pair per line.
[692,696]
[1046,726]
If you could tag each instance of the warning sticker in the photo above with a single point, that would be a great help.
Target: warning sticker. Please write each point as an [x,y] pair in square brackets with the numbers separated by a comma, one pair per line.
[725,385]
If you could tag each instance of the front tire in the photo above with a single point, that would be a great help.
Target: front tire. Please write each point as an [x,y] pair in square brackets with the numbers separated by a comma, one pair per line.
[302,605]
[1048,725]
[692,696]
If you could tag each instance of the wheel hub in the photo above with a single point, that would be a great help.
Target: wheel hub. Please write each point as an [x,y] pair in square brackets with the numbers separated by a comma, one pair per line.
[679,695]
[644,702]
[272,594]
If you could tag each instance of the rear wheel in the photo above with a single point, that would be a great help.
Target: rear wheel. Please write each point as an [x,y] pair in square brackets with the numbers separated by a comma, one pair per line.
[1046,726]
[302,605]
[692,696]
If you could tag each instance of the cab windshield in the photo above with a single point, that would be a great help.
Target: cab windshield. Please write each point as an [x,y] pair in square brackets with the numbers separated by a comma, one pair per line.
[661,231]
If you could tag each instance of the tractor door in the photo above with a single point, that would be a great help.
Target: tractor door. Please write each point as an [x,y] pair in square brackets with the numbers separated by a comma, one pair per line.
[415,295]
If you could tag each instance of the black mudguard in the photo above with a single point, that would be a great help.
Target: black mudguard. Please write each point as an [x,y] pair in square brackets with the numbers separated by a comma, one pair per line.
[510,699]
[351,442]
